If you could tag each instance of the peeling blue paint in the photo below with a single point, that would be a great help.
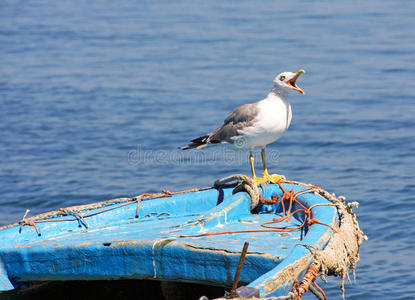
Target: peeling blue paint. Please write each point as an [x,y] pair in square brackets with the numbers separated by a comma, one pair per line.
[116,245]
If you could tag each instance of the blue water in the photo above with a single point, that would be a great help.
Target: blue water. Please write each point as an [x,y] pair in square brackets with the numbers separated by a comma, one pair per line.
[95,97]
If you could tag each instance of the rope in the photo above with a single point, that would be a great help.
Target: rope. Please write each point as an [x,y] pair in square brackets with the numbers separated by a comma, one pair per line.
[287,196]
[308,278]
[80,218]
[291,197]
[306,284]
[246,184]
[76,211]
[30,223]
[319,293]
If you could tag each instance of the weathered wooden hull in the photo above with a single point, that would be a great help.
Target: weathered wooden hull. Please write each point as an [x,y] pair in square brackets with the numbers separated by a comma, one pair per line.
[163,242]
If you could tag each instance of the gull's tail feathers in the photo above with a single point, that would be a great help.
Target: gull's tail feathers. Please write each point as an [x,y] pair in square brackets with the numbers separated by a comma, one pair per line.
[199,143]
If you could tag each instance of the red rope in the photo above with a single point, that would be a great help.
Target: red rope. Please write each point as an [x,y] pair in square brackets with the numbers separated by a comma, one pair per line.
[287,196]
[320,289]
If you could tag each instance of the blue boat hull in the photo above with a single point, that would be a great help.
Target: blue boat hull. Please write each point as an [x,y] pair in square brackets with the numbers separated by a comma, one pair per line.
[167,241]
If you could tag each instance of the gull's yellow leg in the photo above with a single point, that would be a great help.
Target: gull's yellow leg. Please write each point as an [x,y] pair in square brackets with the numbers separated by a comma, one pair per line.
[257,180]
[274,178]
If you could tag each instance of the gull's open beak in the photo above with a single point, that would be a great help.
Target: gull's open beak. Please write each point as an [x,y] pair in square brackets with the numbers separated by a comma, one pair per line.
[292,81]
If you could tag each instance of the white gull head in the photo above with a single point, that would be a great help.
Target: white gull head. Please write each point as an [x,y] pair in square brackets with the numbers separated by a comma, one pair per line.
[286,82]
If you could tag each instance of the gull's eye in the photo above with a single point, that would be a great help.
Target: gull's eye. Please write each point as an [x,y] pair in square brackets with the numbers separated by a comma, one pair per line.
[282,78]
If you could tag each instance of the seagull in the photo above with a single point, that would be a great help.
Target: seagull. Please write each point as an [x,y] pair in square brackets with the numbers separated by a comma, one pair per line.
[256,124]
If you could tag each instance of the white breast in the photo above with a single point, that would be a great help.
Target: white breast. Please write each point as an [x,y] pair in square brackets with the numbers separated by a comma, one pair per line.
[273,120]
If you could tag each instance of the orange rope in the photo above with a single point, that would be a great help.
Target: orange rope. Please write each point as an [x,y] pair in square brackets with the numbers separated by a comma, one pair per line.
[315,221]
[287,196]
[231,232]
[30,223]
[320,289]
[308,279]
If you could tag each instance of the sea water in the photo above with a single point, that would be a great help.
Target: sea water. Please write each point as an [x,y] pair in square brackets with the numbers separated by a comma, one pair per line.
[96,96]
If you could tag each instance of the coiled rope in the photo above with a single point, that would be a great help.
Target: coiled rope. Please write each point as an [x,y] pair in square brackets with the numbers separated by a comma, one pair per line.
[246,184]
[249,185]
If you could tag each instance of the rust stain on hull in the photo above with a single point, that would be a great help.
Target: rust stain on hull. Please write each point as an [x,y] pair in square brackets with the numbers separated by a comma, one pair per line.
[285,276]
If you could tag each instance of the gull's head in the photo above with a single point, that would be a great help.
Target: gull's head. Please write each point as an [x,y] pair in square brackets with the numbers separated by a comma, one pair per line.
[286,81]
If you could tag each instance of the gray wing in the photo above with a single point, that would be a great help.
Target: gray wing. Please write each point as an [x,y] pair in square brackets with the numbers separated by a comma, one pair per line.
[241,117]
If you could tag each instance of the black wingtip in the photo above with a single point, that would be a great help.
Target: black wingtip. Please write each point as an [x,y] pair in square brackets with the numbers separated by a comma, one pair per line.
[200,141]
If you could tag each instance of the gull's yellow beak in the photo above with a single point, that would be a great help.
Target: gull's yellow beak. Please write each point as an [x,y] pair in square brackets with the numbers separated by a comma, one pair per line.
[292,81]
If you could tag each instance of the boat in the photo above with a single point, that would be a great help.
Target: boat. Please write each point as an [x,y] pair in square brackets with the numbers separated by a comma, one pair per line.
[195,236]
